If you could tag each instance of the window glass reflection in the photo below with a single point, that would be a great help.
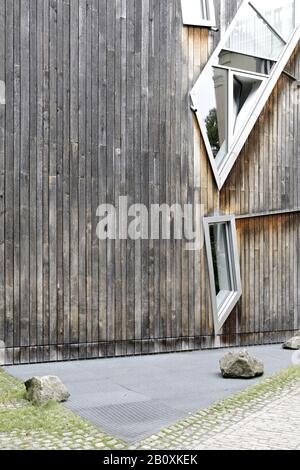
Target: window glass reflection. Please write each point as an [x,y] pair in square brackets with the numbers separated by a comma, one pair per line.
[194,11]
[244,95]
[221,263]
[279,13]
[245,62]
[213,98]
[252,36]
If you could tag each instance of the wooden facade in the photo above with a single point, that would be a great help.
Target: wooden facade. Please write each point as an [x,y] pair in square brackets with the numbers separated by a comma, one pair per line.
[97,106]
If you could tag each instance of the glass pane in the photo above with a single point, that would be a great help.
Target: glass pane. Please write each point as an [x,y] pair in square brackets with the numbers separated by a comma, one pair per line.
[279,13]
[220,256]
[252,36]
[193,11]
[244,96]
[213,99]
[245,62]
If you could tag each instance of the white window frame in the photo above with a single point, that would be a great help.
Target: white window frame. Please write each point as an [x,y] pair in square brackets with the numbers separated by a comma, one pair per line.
[230,135]
[222,170]
[220,314]
[189,18]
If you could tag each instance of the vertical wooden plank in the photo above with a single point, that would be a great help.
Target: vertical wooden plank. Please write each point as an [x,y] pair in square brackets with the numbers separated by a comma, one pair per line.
[184,171]
[53,174]
[82,148]
[66,173]
[46,113]
[117,173]
[295,273]
[74,174]
[130,326]
[39,173]
[275,273]
[145,46]
[2,175]
[177,327]
[60,173]
[9,173]
[168,167]
[102,164]
[16,152]
[123,152]
[154,167]
[94,336]
[279,285]
[33,174]
[24,178]
[90,13]
[110,126]
[137,170]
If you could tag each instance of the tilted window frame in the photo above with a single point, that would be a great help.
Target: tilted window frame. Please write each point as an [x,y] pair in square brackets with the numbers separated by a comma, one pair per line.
[209,22]
[220,315]
[221,172]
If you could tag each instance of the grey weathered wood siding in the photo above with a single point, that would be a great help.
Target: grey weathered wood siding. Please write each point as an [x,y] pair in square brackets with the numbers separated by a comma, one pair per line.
[97,106]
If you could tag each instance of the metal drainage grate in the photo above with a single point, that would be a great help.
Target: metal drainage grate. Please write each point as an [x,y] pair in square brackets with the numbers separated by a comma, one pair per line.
[132,421]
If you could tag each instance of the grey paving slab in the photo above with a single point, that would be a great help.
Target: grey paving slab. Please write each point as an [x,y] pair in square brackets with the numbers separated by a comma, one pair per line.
[136,396]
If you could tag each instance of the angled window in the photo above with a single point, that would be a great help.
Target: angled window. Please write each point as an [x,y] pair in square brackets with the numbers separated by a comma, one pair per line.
[198,13]
[252,35]
[279,13]
[240,76]
[223,265]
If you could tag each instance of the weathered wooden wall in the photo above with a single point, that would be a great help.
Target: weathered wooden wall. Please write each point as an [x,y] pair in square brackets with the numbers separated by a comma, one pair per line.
[97,106]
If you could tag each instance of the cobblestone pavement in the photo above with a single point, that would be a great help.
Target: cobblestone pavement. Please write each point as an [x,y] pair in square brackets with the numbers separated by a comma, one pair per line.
[265,416]
[267,422]
[275,427]
[41,440]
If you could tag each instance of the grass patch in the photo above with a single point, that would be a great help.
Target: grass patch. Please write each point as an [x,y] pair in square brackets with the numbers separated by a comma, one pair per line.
[11,389]
[52,419]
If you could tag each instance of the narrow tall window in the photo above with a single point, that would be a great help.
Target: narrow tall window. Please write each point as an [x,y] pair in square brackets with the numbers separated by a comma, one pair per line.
[198,13]
[223,265]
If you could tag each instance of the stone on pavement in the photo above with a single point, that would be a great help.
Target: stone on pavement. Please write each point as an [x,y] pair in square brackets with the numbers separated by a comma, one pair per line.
[241,365]
[293,343]
[41,390]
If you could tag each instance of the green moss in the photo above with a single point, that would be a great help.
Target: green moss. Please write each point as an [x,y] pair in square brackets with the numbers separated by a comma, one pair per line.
[51,418]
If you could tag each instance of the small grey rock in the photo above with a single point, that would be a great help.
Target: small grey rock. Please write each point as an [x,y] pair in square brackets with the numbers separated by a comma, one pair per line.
[40,390]
[293,343]
[241,365]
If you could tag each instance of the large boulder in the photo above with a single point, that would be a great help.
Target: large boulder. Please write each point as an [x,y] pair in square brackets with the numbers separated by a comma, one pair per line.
[241,365]
[41,390]
[293,343]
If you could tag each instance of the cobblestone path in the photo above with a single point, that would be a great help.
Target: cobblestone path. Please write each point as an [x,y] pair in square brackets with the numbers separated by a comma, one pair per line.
[267,422]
